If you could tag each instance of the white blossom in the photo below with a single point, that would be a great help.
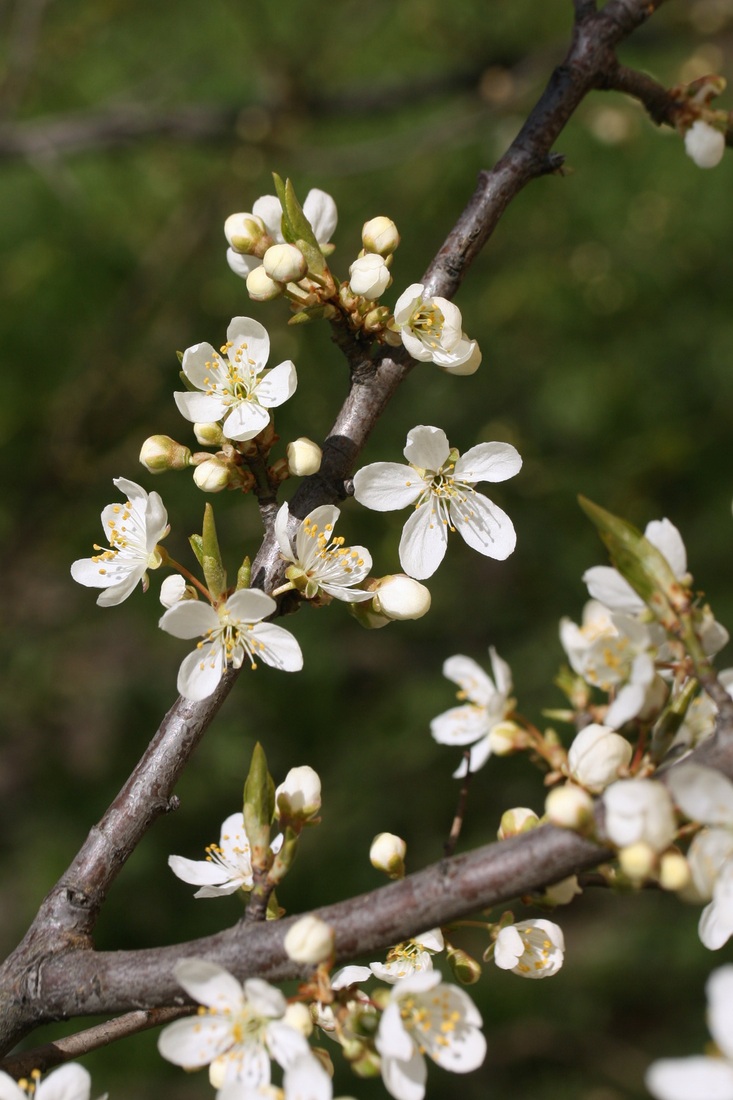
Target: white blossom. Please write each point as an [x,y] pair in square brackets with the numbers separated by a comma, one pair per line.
[432,331]
[67,1082]
[134,530]
[304,457]
[489,703]
[231,632]
[299,795]
[427,1016]
[400,598]
[229,384]
[532,948]
[569,807]
[411,957]
[639,811]
[239,1031]
[702,1077]
[380,235]
[704,144]
[606,584]
[227,867]
[319,209]
[172,590]
[440,485]
[596,757]
[387,853]
[369,276]
[285,263]
[309,940]
[320,561]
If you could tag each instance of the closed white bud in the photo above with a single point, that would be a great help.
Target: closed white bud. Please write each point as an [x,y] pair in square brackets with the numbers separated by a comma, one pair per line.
[596,757]
[310,940]
[285,263]
[399,597]
[260,287]
[637,861]
[569,807]
[173,590]
[369,276]
[518,820]
[387,853]
[209,435]
[304,457]
[563,892]
[674,871]
[160,453]
[380,235]
[507,737]
[299,796]
[704,144]
[639,810]
[212,475]
[245,232]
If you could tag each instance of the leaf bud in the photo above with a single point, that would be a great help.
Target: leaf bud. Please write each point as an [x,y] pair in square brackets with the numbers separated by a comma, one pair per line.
[309,940]
[465,968]
[246,233]
[515,821]
[380,235]
[298,798]
[212,475]
[160,453]
[387,853]
[569,807]
[260,287]
[399,597]
[209,435]
[369,276]
[304,457]
[285,263]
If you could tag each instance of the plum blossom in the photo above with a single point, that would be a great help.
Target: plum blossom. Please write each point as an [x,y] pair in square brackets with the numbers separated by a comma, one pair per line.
[369,276]
[411,957]
[489,704]
[239,1030]
[639,811]
[68,1082]
[702,1077]
[704,144]
[321,562]
[596,757]
[227,867]
[427,1016]
[229,384]
[231,632]
[319,209]
[532,948]
[432,331]
[440,484]
[134,530]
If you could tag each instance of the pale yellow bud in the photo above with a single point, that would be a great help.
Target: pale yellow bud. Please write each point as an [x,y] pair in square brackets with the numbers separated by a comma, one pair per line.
[212,475]
[298,1017]
[380,235]
[387,853]
[569,807]
[304,457]
[245,232]
[160,453]
[399,598]
[674,871]
[260,287]
[285,263]
[518,820]
[507,737]
[209,435]
[637,861]
[310,940]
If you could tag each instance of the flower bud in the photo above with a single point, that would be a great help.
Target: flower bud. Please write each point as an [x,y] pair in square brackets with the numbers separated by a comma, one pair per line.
[209,435]
[299,796]
[285,263]
[387,853]
[519,820]
[260,287]
[173,590]
[637,861]
[160,453]
[596,757]
[376,319]
[562,892]
[212,475]
[569,807]
[674,871]
[704,144]
[465,968]
[310,940]
[380,235]
[245,232]
[304,457]
[507,737]
[369,276]
[298,1017]
[399,597]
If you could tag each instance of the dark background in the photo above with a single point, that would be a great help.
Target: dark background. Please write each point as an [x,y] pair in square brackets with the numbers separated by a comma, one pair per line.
[602,306]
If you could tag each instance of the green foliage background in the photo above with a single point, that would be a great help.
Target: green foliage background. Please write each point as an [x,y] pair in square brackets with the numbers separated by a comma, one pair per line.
[602,306]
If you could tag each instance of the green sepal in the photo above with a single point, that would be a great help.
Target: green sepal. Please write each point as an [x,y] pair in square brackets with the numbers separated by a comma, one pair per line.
[465,968]
[286,856]
[313,255]
[274,910]
[214,572]
[244,574]
[666,728]
[179,356]
[305,316]
[258,808]
[197,545]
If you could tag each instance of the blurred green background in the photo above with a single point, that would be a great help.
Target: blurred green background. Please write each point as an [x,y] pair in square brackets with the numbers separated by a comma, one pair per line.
[128,132]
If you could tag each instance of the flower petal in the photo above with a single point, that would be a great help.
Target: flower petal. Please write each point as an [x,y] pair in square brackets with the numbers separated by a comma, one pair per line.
[280,649]
[460,725]
[320,210]
[200,672]
[198,872]
[703,794]
[386,486]
[484,526]
[251,335]
[488,462]
[427,447]
[470,678]
[277,385]
[245,421]
[405,1078]
[209,984]
[697,1078]
[69,1082]
[281,532]
[423,543]
[250,605]
[189,619]
[200,408]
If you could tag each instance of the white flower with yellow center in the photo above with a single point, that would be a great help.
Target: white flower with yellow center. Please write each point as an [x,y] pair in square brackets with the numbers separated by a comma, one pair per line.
[229,384]
[532,948]
[320,561]
[230,633]
[432,331]
[133,530]
[237,1031]
[440,484]
[427,1016]
[227,867]
[69,1082]
[489,703]
[409,958]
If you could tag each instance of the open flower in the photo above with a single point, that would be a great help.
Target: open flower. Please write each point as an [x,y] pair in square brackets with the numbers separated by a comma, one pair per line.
[69,1082]
[432,331]
[134,530]
[227,867]
[489,703]
[440,484]
[231,632]
[320,562]
[411,957]
[229,384]
[237,1033]
[532,949]
[427,1016]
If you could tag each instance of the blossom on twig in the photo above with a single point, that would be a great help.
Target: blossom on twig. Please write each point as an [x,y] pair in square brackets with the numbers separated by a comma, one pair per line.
[432,331]
[489,703]
[321,562]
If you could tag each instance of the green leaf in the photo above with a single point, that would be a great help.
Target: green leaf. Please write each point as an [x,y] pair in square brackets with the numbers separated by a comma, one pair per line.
[244,574]
[214,572]
[259,806]
[197,545]
[313,255]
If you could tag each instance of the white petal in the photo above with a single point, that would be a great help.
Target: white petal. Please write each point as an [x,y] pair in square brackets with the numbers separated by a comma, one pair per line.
[713,928]
[385,486]
[250,605]
[198,872]
[703,794]
[200,672]
[427,447]
[10,1089]
[320,210]
[509,947]
[470,678]
[245,421]
[697,1078]
[285,1044]
[460,725]
[484,526]
[405,304]
[350,975]
[265,999]
[277,385]
[609,587]
[195,1041]
[209,984]
[415,347]
[245,330]
[269,209]
[196,365]
[464,1053]
[479,754]
[199,408]
[281,649]
[488,462]
[281,532]
[120,591]
[405,1079]
[306,1079]
[242,265]
[664,535]
[69,1082]
[189,619]
[719,989]
[423,543]
[502,672]
[393,1041]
